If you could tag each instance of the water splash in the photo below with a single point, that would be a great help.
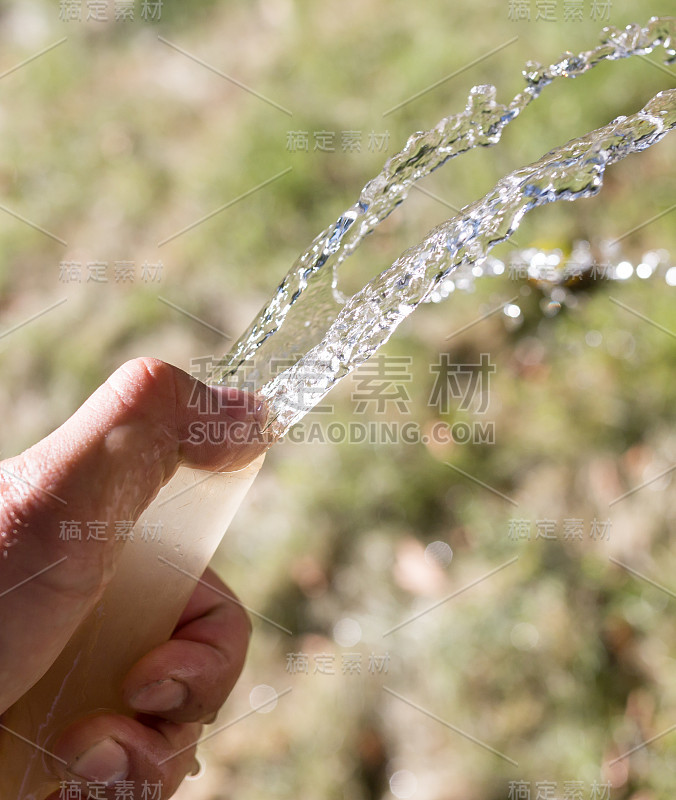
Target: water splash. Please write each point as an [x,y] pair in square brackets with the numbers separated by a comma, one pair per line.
[370,317]
[337,333]
[557,276]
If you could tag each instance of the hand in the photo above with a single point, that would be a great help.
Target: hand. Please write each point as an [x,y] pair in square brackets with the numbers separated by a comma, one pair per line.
[107,462]
[180,685]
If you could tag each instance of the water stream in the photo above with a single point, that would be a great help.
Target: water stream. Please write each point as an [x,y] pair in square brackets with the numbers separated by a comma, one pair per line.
[335,334]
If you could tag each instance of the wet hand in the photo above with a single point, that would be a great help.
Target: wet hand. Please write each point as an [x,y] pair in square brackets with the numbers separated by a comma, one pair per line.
[106,463]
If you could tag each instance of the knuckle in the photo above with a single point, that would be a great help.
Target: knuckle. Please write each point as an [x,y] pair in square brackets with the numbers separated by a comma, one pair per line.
[142,376]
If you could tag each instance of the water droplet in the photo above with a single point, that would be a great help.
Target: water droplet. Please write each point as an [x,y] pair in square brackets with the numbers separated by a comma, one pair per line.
[438,553]
[623,271]
[651,258]
[593,338]
[550,308]
[347,632]
[403,784]
[263,698]
[533,72]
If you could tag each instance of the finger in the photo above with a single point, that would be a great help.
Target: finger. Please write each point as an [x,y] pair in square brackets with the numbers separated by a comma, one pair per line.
[109,749]
[189,677]
[104,464]
[127,439]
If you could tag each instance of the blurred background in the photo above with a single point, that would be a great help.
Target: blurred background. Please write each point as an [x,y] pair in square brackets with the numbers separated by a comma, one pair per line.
[458,613]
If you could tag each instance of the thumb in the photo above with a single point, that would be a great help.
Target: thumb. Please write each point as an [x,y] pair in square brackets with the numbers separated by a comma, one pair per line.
[104,464]
[126,441]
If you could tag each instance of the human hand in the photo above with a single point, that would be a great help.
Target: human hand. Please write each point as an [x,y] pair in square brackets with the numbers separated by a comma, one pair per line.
[107,462]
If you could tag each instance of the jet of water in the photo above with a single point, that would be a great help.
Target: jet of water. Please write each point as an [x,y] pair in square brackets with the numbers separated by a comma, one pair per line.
[371,316]
[337,334]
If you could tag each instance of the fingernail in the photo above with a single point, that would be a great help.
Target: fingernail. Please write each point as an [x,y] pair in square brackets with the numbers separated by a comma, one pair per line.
[105,762]
[164,695]
[195,769]
[240,405]
[261,412]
